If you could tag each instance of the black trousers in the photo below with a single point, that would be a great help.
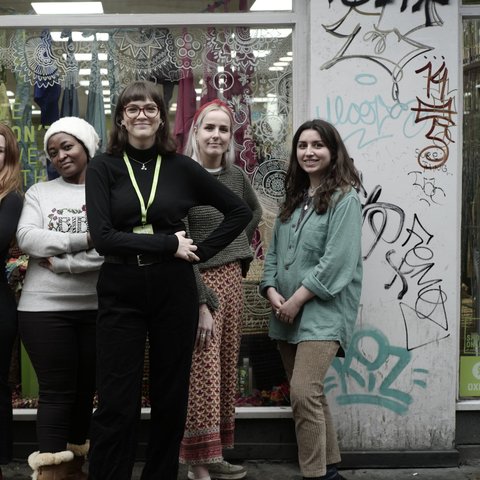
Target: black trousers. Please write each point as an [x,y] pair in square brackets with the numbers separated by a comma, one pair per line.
[8,331]
[61,346]
[160,301]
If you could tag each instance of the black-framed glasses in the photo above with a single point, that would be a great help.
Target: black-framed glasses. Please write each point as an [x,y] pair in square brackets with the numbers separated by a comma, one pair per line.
[133,111]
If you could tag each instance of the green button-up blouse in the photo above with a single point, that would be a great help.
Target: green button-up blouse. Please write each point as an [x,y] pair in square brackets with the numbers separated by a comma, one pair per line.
[322,253]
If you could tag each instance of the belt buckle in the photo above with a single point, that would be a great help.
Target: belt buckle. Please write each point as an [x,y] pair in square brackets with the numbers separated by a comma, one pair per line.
[140,262]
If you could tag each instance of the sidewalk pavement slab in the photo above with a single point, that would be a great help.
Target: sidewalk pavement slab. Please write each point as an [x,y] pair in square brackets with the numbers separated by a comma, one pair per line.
[271,470]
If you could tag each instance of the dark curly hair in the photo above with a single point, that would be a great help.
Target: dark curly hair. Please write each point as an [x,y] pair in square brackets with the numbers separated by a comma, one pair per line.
[340,175]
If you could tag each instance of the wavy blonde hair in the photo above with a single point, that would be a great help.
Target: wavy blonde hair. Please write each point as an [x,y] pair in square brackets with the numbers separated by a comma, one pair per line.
[10,176]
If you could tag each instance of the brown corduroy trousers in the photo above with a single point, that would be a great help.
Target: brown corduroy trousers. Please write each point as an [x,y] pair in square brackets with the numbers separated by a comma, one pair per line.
[306,365]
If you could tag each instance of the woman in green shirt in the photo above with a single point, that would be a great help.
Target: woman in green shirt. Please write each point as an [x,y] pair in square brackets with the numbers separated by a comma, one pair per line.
[312,278]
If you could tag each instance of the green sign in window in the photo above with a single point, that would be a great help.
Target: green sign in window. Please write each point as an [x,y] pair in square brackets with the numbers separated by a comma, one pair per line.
[470,376]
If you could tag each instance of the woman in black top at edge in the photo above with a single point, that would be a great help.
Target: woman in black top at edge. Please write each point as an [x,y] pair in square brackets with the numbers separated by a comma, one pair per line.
[11,202]
[137,194]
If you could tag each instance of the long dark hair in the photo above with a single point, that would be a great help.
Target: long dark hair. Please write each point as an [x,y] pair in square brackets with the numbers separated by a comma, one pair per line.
[143,91]
[340,175]
[10,177]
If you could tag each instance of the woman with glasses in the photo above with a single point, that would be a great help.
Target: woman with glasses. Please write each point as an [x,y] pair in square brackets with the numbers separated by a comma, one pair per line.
[137,195]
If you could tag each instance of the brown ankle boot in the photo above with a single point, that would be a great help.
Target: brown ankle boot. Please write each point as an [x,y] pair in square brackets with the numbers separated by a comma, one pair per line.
[54,472]
[75,469]
[76,465]
[51,466]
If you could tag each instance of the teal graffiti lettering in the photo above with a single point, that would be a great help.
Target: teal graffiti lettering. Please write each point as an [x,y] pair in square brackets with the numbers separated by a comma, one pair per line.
[373,117]
[374,371]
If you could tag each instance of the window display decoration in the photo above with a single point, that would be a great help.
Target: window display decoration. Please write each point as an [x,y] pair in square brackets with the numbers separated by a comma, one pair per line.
[39,60]
[193,65]
[33,58]
[234,63]
[144,52]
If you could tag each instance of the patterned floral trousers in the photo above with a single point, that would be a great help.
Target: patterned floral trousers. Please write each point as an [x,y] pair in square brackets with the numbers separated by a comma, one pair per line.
[213,378]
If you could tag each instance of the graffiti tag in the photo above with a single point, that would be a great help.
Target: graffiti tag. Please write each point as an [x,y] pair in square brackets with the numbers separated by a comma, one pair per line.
[438,109]
[368,375]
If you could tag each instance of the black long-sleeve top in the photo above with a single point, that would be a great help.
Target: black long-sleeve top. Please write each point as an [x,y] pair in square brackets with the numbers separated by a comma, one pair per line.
[113,208]
[10,210]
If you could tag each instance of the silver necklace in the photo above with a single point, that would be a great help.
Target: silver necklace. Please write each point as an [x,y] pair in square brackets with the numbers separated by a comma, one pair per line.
[307,202]
[140,163]
[312,190]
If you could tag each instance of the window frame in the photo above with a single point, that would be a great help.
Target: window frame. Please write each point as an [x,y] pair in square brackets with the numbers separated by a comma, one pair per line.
[465,12]
[298,20]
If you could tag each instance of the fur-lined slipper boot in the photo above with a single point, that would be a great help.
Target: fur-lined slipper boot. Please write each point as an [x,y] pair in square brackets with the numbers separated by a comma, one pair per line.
[79,450]
[50,466]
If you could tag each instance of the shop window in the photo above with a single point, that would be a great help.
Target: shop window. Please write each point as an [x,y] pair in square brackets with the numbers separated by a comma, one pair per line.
[470,233]
[46,74]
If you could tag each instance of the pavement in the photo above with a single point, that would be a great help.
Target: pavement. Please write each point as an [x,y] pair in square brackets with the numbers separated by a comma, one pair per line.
[270,470]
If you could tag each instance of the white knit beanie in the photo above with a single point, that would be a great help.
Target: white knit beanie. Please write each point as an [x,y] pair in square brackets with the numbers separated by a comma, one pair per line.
[78,128]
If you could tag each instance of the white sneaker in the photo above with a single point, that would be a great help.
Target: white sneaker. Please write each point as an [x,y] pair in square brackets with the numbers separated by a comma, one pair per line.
[191,476]
[226,471]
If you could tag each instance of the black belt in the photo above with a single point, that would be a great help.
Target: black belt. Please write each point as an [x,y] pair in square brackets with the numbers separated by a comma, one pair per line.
[142,259]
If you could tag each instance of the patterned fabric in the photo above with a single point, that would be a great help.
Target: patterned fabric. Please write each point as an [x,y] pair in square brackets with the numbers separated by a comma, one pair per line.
[213,378]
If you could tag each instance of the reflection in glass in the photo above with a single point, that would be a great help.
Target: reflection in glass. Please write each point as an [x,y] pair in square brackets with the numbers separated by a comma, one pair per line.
[82,73]
[470,232]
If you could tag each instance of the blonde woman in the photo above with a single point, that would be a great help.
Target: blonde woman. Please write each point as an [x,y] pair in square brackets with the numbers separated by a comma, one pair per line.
[213,379]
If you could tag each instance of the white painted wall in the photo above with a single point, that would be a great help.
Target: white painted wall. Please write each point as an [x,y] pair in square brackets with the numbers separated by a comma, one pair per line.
[397,389]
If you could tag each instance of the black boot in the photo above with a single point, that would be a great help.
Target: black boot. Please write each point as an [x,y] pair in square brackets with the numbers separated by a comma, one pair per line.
[332,474]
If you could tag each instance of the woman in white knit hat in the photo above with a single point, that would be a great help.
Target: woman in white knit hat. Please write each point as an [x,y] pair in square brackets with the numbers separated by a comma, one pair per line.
[58,305]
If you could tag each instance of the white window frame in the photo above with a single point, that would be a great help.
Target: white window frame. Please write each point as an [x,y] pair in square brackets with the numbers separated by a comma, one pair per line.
[465,11]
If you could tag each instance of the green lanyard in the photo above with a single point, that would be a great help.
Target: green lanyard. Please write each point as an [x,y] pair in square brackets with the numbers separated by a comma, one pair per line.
[137,190]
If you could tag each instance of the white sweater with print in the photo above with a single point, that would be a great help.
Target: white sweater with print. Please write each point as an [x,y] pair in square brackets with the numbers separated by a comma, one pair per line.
[53,225]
